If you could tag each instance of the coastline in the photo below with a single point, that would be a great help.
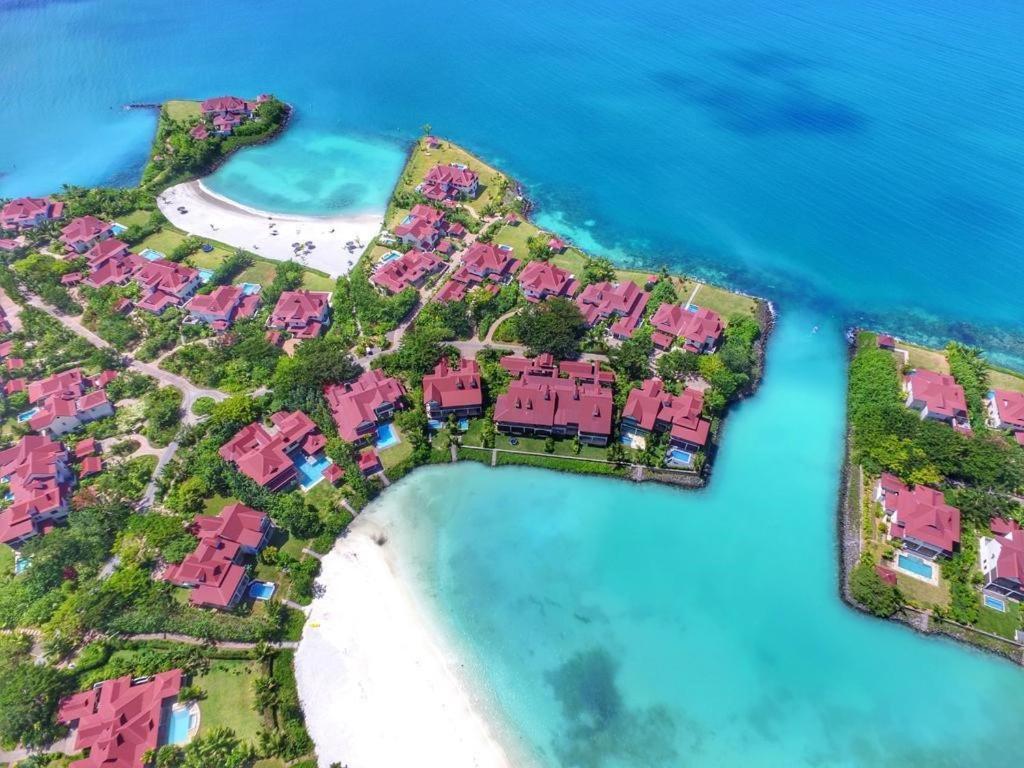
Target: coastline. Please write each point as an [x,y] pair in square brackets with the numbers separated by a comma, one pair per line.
[379,684]
[213,215]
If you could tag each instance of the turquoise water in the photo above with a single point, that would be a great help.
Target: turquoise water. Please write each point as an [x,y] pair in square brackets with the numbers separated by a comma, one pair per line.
[915,565]
[262,590]
[386,436]
[178,726]
[624,626]
[311,471]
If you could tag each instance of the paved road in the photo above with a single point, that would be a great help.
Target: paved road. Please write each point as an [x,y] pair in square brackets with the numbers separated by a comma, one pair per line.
[11,310]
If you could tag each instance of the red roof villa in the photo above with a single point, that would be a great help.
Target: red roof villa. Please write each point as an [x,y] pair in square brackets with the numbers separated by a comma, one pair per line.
[222,306]
[542,405]
[409,270]
[84,232]
[421,228]
[540,279]
[28,212]
[369,463]
[111,248]
[623,301]
[226,105]
[271,457]
[66,401]
[117,270]
[165,284]
[359,406]
[302,313]
[213,571]
[1002,559]
[449,182]
[38,487]
[699,328]
[919,517]
[1006,411]
[937,397]
[119,720]
[453,391]
[653,409]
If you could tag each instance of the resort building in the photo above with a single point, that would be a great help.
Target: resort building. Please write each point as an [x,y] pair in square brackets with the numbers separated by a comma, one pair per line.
[213,571]
[540,279]
[117,270]
[623,302]
[38,485]
[919,517]
[482,261]
[421,228]
[359,406]
[1005,410]
[936,396]
[118,721]
[651,408]
[539,403]
[301,313]
[273,458]
[111,248]
[453,391]
[66,401]
[83,233]
[1002,559]
[165,284]
[28,212]
[699,328]
[410,270]
[369,463]
[450,182]
[222,306]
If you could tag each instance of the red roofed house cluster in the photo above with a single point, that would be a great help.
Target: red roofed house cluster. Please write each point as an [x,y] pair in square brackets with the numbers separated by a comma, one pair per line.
[1002,559]
[1006,411]
[919,517]
[360,406]
[937,396]
[165,284]
[651,408]
[119,720]
[268,456]
[624,303]
[224,114]
[222,306]
[422,228]
[453,390]
[409,270]
[39,482]
[83,233]
[481,262]
[302,313]
[28,212]
[450,182]
[541,403]
[65,401]
[540,279]
[699,328]
[213,571]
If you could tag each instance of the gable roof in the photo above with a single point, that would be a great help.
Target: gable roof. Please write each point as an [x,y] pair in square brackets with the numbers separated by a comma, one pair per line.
[454,387]
[353,404]
[921,513]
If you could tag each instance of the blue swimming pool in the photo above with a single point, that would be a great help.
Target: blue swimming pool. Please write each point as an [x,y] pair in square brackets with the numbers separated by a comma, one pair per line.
[205,275]
[178,726]
[390,256]
[26,415]
[250,289]
[436,424]
[21,563]
[996,603]
[117,229]
[310,468]
[915,565]
[387,436]
[679,457]
[262,590]
[150,255]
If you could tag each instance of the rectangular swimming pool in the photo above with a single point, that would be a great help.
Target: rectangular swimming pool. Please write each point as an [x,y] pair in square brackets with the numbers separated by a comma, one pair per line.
[150,255]
[262,590]
[117,229]
[310,468]
[915,565]
[680,457]
[390,256]
[387,436]
[995,603]
[26,415]
[205,275]
[178,725]
[249,289]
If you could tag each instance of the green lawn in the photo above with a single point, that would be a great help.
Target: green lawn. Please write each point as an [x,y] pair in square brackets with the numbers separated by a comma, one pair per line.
[723,302]
[6,560]
[922,357]
[214,504]
[1005,380]
[139,217]
[324,496]
[998,622]
[563,447]
[229,698]
[182,110]
[922,594]
[396,453]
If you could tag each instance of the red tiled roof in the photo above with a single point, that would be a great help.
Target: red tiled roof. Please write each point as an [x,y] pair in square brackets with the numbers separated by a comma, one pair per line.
[83,229]
[167,277]
[226,104]
[199,132]
[86,447]
[1010,561]
[354,404]
[552,402]
[940,393]
[295,309]
[407,270]
[540,279]
[487,259]
[653,408]
[369,461]
[457,387]
[585,370]
[1010,407]
[39,482]
[333,474]
[91,465]
[28,211]
[105,249]
[262,455]
[700,328]
[921,513]
[453,290]
[622,300]
[72,380]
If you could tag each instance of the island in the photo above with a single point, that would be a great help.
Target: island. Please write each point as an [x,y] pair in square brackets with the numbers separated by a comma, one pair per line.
[189,426]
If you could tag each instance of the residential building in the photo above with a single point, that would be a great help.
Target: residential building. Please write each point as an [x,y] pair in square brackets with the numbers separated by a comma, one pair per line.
[83,233]
[624,303]
[1002,559]
[359,406]
[1005,410]
[699,328]
[652,408]
[936,396]
[199,132]
[919,517]
[214,570]
[369,463]
[118,270]
[482,261]
[28,212]
[409,270]
[422,227]
[301,313]
[118,721]
[227,105]
[165,284]
[453,390]
[111,248]
[39,483]
[540,279]
[450,182]
[222,306]
[65,402]
[268,456]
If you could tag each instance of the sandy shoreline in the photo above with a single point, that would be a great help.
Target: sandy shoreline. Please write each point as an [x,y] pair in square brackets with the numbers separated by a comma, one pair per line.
[219,218]
[379,688]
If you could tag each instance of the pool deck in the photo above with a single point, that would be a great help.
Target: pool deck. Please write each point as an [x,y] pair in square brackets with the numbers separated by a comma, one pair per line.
[934,580]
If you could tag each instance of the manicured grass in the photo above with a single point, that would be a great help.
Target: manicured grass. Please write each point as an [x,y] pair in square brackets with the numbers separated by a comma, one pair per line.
[182,110]
[997,622]
[396,453]
[135,217]
[164,241]
[922,594]
[1005,380]
[921,357]
[422,160]
[482,455]
[229,699]
[214,504]
[311,281]
[324,496]
[723,302]
[270,762]
[560,464]
[563,447]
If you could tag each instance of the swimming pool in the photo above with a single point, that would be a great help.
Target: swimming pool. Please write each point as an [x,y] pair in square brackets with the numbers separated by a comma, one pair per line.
[262,590]
[250,289]
[996,603]
[915,565]
[178,725]
[310,468]
[390,256]
[679,456]
[150,255]
[26,415]
[205,275]
[435,425]
[387,436]
[117,229]
[21,563]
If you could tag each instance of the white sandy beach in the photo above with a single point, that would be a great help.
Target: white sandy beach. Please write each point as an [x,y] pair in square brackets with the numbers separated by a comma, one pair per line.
[218,218]
[379,688]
